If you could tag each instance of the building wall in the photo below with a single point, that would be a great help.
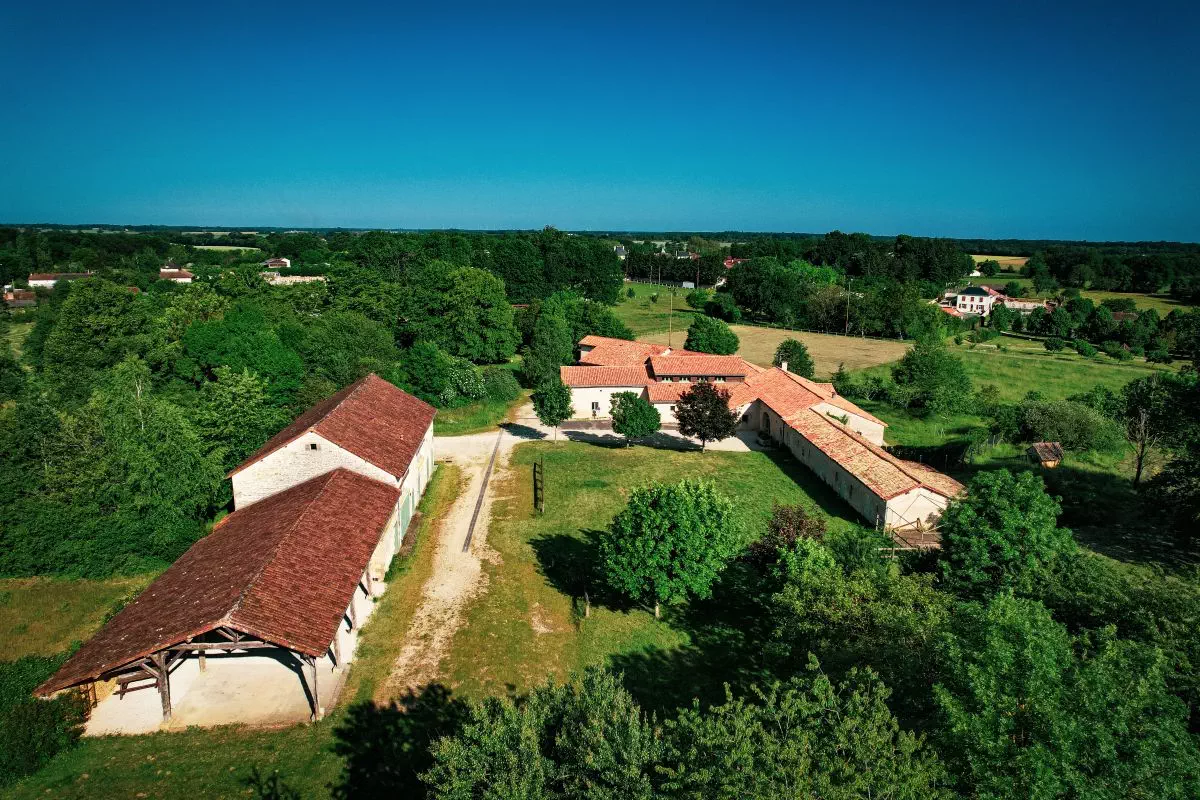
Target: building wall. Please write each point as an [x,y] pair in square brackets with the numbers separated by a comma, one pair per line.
[868,429]
[918,505]
[295,463]
[665,413]
[45,284]
[869,505]
[583,397]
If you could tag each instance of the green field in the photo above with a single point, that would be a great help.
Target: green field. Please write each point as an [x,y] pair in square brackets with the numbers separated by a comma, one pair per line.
[529,624]
[643,316]
[15,336]
[476,417]
[216,762]
[43,616]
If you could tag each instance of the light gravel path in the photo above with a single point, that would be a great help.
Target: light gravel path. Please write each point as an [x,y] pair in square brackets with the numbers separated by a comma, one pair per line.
[457,570]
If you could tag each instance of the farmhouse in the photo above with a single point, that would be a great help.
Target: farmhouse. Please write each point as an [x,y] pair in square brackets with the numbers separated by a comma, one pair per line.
[268,606]
[175,273]
[277,263]
[975,300]
[46,280]
[837,440]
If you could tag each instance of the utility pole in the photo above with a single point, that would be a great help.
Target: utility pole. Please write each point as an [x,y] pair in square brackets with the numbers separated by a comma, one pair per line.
[671,318]
[848,281]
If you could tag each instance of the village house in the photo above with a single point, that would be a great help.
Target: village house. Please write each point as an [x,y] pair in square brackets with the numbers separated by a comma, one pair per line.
[275,279]
[46,280]
[174,273]
[840,442]
[268,606]
[277,262]
[19,298]
[977,300]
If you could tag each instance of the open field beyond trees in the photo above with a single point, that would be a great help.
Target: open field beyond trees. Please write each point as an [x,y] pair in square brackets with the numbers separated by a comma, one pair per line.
[1007,263]
[43,616]
[530,624]
[828,350]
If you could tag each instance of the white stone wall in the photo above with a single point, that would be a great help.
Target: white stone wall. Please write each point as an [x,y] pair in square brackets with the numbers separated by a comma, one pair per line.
[863,500]
[583,397]
[918,505]
[295,463]
[869,430]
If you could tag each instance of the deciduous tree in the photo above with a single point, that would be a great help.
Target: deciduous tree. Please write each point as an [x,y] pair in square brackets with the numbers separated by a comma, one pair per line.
[633,416]
[703,412]
[711,335]
[794,353]
[553,404]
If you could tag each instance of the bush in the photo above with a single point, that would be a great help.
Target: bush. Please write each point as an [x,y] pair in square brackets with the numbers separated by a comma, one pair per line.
[1084,349]
[709,335]
[654,297]
[500,384]
[1075,425]
[722,306]
[630,293]
[1054,344]
[1159,357]
[1113,349]
[697,299]
[794,353]
[32,731]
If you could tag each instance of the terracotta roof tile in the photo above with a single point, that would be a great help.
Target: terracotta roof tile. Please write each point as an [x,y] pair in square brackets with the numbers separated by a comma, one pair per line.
[698,365]
[283,570]
[666,392]
[168,273]
[620,354]
[371,418]
[584,376]
[592,340]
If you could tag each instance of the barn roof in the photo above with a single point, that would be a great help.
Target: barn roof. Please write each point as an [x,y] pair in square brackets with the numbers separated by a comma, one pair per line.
[585,376]
[370,418]
[283,570]
[1046,451]
[619,352]
[698,365]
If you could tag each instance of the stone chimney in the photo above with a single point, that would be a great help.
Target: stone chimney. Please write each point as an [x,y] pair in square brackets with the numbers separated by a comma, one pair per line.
[783,366]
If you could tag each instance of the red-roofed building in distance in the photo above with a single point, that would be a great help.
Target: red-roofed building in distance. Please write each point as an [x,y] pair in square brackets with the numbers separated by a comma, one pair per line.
[268,606]
[46,280]
[174,273]
[840,442]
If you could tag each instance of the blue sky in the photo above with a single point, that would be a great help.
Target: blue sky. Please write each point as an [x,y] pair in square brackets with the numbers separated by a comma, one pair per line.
[1025,120]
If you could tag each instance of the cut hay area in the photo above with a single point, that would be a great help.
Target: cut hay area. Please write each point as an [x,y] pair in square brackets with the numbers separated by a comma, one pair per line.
[44,616]
[1006,263]
[758,346]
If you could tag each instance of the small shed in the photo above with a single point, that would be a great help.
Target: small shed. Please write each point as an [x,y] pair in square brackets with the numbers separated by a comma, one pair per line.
[1047,454]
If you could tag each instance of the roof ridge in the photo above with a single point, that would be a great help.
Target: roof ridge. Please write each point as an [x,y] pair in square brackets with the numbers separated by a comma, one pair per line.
[250,584]
[891,458]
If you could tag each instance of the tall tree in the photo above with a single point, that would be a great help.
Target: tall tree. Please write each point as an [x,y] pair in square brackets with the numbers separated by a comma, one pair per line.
[703,412]
[236,415]
[553,404]
[633,416]
[670,542]
[794,354]
[711,335]
[550,348]
[1003,534]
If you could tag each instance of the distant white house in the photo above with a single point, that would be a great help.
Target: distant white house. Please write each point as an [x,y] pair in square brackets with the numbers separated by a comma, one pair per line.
[976,300]
[275,279]
[174,273]
[620,251]
[277,263]
[46,280]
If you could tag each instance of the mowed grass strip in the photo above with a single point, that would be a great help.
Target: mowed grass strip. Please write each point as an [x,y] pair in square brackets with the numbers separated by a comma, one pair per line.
[43,616]
[477,417]
[758,346]
[216,762]
[527,625]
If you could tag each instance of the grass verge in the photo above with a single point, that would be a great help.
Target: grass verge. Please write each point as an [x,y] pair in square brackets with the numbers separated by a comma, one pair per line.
[478,417]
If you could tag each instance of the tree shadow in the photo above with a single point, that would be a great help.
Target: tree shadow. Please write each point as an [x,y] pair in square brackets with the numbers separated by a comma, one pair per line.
[523,431]
[571,564]
[386,747]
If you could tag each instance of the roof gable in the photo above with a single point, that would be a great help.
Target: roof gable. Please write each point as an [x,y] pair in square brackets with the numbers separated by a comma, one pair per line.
[370,418]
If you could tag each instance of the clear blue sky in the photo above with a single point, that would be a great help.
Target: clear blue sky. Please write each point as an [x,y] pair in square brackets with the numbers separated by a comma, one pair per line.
[1029,120]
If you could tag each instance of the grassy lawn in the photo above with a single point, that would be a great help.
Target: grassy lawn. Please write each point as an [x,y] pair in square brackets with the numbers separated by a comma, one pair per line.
[828,351]
[216,762]
[43,616]
[15,336]
[529,622]
[643,316]
[476,417]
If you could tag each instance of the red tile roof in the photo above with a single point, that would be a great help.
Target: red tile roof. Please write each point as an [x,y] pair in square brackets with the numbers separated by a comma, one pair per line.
[166,274]
[591,340]
[620,353]
[370,418]
[584,376]
[283,570]
[880,471]
[667,392]
[59,276]
[700,365]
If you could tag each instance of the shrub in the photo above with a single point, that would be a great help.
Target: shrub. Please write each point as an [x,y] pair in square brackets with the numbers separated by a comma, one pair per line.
[500,384]
[1113,349]
[1159,357]
[1075,425]
[722,306]
[931,379]
[1054,344]
[697,299]
[32,731]
[654,297]
[709,335]
[1084,349]
[630,293]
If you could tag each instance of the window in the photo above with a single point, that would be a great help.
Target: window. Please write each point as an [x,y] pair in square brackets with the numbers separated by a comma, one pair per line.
[313,446]
[672,408]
